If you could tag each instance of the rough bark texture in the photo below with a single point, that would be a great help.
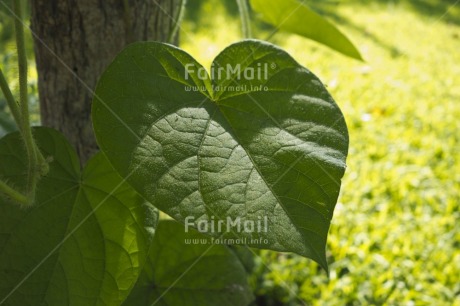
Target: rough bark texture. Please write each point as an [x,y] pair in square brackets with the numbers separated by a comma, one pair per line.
[75,40]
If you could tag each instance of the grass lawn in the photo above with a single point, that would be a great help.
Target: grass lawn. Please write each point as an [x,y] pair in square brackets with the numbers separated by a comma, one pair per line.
[395,236]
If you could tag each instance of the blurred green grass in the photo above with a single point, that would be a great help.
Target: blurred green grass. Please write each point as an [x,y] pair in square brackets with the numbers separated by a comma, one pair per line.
[395,236]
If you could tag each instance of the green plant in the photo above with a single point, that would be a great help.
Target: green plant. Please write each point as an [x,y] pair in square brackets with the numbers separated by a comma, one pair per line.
[259,142]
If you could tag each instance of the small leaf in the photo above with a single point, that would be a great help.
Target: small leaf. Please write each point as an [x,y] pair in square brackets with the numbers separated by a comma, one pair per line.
[183,267]
[296,17]
[85,240]
[268,150]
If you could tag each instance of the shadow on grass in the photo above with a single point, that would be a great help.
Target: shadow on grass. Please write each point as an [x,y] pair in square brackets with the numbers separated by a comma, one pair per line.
[447,11]
[393,50]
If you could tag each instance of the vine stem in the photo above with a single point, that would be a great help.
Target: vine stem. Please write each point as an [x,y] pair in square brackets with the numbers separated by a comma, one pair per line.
[177,22]
[14,107]
[245,19]
[16,112]
[37,165]
[32,176]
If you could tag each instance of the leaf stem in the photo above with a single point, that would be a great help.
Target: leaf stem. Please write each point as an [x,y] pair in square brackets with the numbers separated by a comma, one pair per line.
[13,194]
[245,19]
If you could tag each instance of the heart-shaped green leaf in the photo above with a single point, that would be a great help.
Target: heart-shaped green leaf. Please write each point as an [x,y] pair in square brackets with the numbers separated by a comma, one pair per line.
[184,267]
[260,149]
[296,17]
[86,239]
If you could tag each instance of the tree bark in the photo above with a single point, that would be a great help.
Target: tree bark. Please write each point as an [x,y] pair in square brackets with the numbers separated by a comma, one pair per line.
[75,40]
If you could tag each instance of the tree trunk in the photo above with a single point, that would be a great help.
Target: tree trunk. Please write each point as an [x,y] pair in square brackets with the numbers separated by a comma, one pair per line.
[75,40]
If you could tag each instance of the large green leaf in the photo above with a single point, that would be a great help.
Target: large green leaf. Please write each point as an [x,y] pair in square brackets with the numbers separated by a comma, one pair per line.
[86,239]
[275,154]
[296,17]
[183,267]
